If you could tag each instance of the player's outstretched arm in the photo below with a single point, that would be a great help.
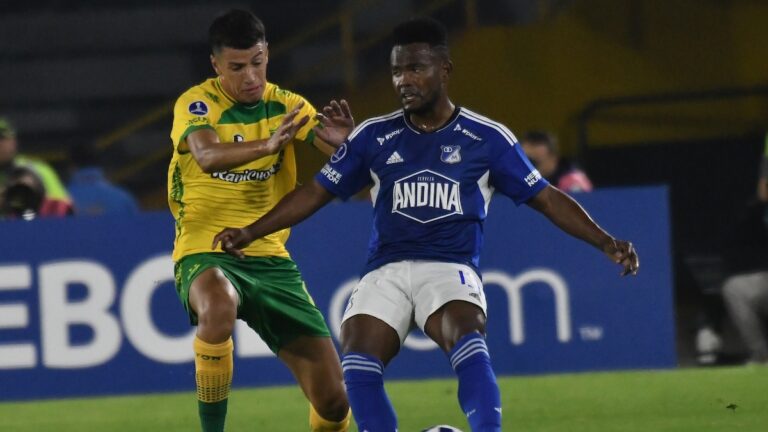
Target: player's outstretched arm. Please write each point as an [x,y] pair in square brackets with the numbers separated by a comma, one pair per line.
[298,205]
[335,125]
[213,155]
[569,216]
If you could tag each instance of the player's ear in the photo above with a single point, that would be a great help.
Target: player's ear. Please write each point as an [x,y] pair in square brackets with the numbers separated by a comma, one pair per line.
[266,52]
[215,65]
[446,69]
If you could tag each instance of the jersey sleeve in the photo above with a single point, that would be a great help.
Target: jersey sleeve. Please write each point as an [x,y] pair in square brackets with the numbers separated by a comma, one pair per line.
[305,134]
[347,172]
[191,112]
[511,173]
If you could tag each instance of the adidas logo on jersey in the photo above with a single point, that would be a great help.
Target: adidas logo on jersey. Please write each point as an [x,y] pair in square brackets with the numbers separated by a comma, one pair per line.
[395,158]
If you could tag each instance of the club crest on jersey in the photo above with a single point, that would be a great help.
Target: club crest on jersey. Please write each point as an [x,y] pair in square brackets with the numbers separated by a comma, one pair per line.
[239,138]
[450,154]
[198,108]
[426,196]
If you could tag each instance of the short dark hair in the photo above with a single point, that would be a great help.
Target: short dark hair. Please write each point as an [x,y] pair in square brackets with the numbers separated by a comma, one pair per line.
[541,138]
[237,29]
[421,30]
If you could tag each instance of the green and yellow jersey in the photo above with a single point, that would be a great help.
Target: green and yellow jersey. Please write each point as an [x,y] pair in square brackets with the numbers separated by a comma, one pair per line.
[204,204]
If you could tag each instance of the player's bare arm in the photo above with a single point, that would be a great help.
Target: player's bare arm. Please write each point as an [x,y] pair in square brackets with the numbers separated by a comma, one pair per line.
[569,216]
[335,123]
[213,155]
[298,205]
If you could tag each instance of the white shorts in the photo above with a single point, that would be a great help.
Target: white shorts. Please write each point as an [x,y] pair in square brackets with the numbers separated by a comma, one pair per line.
[405,293]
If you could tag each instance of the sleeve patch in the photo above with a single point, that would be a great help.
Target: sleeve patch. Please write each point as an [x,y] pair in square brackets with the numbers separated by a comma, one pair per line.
[198,108]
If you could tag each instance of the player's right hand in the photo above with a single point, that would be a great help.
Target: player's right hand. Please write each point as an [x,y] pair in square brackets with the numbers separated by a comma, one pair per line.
[286,131]
[232,241]
[623,253]
[335,123]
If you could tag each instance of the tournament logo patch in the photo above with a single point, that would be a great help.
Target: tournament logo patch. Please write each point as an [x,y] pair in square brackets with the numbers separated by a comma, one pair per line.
[450,154]
[340,153]
[198,108]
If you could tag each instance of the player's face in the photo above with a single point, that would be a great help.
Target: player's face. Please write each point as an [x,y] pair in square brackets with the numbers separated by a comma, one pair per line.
[419,76]
[7,150]
[243,72]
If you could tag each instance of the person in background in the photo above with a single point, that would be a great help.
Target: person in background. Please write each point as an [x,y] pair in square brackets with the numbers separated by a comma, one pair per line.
[56,195]
[541,149]
[762,181]
[23,197]
[92,193]
[745,291]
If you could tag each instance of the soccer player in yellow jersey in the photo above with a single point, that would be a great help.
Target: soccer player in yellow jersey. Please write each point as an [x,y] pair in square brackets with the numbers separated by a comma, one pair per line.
[234,138]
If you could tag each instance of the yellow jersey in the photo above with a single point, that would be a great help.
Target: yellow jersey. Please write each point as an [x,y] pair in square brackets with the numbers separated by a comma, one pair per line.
[203,204]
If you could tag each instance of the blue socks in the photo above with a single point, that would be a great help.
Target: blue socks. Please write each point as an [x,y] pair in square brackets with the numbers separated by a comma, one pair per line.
[478,392]
[364,379]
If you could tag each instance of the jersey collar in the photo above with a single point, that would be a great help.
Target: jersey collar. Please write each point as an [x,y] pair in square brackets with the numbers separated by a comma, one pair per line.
[220,88]
[414,128]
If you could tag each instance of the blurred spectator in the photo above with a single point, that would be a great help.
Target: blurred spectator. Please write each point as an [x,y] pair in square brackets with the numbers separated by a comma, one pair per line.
[762,181]
[55,193]
[541,149]
[23,197]
[745,291]
[92,193]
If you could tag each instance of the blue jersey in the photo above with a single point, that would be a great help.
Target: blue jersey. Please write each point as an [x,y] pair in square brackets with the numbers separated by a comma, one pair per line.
[430,190]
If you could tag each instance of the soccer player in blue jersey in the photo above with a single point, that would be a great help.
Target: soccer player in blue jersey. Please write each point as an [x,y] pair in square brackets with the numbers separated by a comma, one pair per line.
[432,167]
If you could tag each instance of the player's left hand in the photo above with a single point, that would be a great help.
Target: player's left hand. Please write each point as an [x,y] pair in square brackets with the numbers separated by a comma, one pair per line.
[622,252]
[232,241]
[336,123]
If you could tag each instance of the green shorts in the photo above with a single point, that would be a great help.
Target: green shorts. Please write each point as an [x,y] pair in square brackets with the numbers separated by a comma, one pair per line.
[273,298]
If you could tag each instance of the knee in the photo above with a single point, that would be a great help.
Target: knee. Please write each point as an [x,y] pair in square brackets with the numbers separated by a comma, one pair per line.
[332,405]
[368,335]
[216,321]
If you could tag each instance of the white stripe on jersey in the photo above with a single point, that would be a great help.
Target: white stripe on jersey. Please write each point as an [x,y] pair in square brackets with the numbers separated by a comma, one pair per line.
[485,189]
[375,188]
[503,130]
[373,120]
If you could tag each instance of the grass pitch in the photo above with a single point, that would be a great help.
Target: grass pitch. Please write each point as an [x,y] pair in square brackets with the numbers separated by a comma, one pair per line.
[696,400]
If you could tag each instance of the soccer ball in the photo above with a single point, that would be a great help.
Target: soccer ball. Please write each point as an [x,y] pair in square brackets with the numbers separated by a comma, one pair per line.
[441,428]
